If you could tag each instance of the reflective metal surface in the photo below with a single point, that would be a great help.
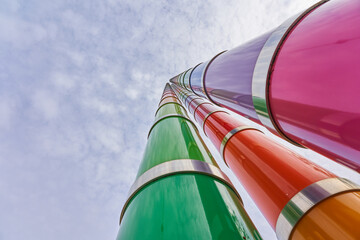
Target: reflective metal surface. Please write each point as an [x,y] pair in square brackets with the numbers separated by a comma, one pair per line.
[337,217]
[270,173]
[260,76]
[169,103]
[190,100]
[230,134]
[168,95]
[186,206]
[194,104]
[199,106]
[208,115]
[203,76]
[168,99]
[196,79]
[314,85]
[307,198]
[262,71]
[229,77]
[167,116]
[187,78]
[203,110]
[171,108]
[190,88]
[175,167]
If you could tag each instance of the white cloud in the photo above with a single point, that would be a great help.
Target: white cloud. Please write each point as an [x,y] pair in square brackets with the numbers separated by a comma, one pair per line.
[45,104]
[87,77]
[20,33]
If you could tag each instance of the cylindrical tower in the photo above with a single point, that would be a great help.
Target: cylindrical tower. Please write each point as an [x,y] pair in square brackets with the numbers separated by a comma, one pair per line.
[179,192]
[295,195]
[300,80]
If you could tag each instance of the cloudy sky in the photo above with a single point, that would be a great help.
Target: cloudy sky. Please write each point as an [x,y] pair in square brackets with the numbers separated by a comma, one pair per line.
[79,85]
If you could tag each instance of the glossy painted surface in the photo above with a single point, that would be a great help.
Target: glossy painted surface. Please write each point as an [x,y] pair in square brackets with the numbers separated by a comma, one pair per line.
[186,206]
[194,104]
[167,88]
[189,86]
[228,79]
[203,110]
[308,198]
[187,78]
[171,108]
[190,98]
[271,173]
[167,95]
[174,138]
[335,218]
[314,86]
[174,79]
[168,100]
[195,79]
[218,125]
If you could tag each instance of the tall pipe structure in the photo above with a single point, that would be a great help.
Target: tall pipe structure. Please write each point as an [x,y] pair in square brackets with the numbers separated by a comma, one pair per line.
[179,191]
[300,80]
[298,198]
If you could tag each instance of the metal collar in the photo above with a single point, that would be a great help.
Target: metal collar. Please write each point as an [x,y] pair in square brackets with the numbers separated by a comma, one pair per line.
[197,97]
[263,68]
[308,198]
[179,166]
[200,105]
[204,75]
[208,115]
[174,95]
[189,96]
[190,78]
[230,134]
[169,103]
[168,116]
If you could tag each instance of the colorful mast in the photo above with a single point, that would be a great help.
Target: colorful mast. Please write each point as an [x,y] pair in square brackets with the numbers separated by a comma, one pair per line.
[179,192]
[299,199]
[301,80]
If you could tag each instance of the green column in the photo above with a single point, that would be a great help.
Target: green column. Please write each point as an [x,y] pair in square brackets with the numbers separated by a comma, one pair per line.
[179,192]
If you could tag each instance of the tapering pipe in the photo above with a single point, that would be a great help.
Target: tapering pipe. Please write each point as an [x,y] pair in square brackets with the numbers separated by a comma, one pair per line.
[295,195]
[179,191]
[300,80]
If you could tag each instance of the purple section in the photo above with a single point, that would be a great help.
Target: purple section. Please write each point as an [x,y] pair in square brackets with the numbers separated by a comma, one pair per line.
[314,87]
[195,79]
[186,79]
[228,79]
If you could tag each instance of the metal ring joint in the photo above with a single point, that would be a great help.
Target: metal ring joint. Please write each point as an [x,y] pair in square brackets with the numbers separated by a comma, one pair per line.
[230,134]
[263,68]
[308,198]
[168,116]
[176,167]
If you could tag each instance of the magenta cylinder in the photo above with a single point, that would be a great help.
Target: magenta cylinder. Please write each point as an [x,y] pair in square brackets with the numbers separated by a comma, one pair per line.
[315,82]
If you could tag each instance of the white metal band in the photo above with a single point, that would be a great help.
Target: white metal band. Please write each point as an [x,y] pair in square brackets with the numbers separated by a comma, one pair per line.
[168,116]
[168,95]
[169,103]
[175,167]
[199,106]
[208,115]
[261,75]
[308,198]
[204,75]
[191,90]
[197,97]
[230,134]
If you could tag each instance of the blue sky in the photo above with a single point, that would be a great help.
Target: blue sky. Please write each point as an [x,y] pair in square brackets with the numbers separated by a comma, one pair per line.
[79,85]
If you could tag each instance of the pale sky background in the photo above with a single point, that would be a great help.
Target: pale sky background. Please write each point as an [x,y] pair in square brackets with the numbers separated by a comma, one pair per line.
[79,85]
